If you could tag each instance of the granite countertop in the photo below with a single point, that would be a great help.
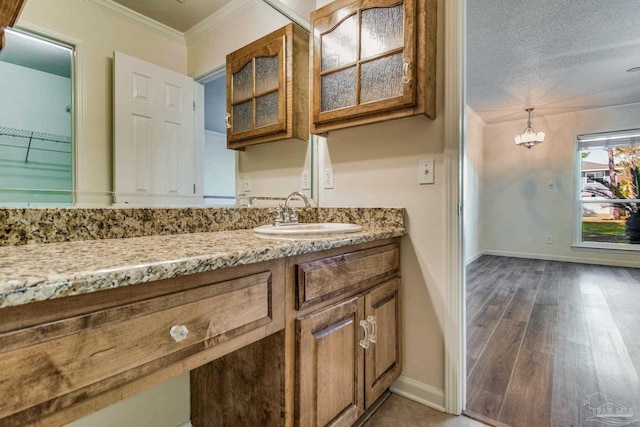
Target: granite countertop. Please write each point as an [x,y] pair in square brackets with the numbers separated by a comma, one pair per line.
[39,272]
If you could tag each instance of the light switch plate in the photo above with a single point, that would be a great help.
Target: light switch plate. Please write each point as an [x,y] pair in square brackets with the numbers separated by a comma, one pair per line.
[327,178]
[426,171]
[246,184]
[306,179]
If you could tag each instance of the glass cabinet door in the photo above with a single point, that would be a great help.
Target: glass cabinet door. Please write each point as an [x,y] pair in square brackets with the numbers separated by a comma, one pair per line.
[257,95]
[364,59]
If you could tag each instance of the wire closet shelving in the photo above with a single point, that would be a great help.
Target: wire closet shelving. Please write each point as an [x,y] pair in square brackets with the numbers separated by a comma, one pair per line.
[33,135]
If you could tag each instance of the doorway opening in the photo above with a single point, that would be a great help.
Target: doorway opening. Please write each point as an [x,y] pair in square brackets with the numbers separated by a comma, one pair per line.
[219,169]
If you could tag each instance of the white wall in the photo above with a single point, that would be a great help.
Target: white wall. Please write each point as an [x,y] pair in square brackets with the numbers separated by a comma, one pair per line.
[472,186]
[33,100]
[219,170]
[517,208]
[377,165]
[101,33]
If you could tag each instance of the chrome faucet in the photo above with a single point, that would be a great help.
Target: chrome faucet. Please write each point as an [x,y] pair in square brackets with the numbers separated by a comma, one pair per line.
[289,215]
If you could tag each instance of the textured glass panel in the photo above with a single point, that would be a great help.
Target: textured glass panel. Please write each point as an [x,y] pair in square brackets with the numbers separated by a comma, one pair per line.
[243,116]
[243,83]
[339,90]
[382,30]
[267,109]
[381,78]
[340,46]
[266,73]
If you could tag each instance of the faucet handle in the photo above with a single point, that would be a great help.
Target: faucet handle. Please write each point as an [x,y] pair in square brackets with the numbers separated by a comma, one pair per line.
[279,219]
[293,216]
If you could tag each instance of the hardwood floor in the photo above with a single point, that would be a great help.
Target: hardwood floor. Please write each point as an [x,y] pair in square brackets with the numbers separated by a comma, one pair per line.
[543,337]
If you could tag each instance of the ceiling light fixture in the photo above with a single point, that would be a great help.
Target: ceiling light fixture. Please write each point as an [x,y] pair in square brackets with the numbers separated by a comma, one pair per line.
[529,137]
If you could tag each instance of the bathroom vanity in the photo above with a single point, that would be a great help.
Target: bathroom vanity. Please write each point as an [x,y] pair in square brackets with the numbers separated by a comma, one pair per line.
[275,331]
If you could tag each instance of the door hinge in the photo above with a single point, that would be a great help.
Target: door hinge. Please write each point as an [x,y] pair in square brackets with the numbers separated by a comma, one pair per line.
[194,189]
[459,208]
[194,105]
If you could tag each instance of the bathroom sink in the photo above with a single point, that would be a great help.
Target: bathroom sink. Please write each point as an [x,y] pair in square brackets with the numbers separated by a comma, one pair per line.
[308,228]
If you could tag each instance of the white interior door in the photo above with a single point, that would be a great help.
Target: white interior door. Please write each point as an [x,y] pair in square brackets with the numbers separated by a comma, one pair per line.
[154,145]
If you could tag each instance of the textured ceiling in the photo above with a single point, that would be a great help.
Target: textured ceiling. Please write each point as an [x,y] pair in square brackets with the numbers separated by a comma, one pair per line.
[34,53]
[177,15]
[554,55]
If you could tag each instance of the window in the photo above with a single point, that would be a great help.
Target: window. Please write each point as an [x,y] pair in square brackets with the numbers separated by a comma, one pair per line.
[609,187]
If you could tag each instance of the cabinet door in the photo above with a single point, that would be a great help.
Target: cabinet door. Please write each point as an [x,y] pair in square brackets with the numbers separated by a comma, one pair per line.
[382,362]
[256,92]
[363,57]
[329,371]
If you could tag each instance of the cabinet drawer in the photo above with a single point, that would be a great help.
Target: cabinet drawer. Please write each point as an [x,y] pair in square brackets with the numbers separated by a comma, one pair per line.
[328,277]
[105,348]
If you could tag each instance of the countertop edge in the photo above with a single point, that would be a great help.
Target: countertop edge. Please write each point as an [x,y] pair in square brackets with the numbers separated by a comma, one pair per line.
[43,285]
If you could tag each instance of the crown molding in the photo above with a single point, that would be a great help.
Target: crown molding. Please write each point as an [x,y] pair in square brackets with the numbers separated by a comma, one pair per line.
[137,18]
[217,19]
[472,113]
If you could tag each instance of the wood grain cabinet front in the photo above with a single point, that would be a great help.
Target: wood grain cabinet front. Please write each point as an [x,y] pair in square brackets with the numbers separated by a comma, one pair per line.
[268,89]
[372,60]
[348,355]
[54,365]
[347,340]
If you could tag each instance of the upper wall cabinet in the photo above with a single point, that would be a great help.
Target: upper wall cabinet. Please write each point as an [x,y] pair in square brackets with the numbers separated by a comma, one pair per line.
[373,60]
[268,89]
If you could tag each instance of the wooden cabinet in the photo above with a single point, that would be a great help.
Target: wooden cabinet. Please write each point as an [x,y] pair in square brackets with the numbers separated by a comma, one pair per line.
[63,358]
[372,60]
[347,352]
[267,89]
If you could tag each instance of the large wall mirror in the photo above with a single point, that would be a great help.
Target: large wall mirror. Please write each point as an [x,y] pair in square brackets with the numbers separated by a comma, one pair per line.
[57,110]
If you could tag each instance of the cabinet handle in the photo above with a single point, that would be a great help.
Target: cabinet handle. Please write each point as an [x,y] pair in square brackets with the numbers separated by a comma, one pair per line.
[373,336]
[178,332]
[364,343]
[405,72]
[226,120]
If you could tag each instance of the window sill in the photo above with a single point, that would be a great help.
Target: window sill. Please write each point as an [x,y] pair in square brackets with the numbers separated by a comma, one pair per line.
[607,247]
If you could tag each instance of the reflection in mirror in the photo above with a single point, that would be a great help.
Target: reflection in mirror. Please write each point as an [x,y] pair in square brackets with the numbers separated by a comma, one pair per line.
[93,33]
[35,120]
[219,175]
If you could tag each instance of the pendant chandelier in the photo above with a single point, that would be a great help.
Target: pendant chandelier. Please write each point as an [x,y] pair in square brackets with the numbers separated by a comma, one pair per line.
[529,137]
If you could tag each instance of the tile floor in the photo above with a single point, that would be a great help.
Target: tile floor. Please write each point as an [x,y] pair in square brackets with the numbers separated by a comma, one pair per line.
[398,411]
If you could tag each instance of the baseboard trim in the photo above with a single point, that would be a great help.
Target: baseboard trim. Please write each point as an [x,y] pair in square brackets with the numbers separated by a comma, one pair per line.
[424,394]
[473,258]
[597,261]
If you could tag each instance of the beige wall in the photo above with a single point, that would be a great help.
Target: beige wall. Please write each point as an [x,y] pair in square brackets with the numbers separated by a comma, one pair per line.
[377,165]
[518,209]
[208,50]
[473,173]
[101,33]
[167,405]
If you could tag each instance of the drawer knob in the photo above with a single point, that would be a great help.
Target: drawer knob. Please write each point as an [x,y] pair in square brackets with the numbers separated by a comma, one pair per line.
[178,332]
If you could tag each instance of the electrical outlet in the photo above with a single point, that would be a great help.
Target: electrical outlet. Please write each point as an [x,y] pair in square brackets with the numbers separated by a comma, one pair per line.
[327,178]
[306,179]
[426,171]
[246,184]
[549,239]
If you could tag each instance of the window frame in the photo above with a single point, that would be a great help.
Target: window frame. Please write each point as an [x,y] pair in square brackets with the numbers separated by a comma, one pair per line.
[578,242]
